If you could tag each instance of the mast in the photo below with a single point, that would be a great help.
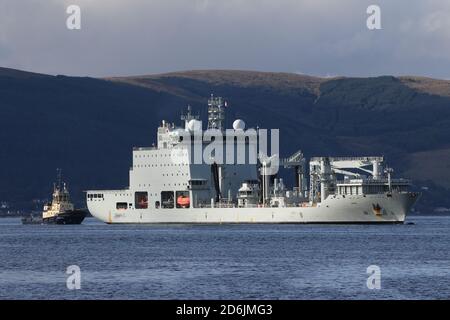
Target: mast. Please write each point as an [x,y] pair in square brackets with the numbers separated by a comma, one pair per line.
[188,116]
[58,178]
[216,113]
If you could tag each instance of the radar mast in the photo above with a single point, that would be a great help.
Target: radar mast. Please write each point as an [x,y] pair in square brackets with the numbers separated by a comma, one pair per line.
[216,113]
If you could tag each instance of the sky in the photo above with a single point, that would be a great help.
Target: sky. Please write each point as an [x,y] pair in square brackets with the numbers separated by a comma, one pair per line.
[315,37]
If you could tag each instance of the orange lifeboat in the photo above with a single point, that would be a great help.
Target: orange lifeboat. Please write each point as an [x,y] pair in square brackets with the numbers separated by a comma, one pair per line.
[183,201]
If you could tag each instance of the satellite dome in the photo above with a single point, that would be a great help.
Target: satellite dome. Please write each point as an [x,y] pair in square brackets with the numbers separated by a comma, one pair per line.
[238,124]
[194,125]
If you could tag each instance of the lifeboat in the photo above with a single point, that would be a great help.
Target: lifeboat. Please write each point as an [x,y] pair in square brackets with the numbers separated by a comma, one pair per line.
[183,201]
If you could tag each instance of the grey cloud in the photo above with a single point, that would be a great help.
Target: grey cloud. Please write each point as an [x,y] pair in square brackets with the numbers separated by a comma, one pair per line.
[320,37]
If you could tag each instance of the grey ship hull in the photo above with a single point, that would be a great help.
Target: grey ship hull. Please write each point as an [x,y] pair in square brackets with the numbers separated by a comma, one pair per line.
[375,208]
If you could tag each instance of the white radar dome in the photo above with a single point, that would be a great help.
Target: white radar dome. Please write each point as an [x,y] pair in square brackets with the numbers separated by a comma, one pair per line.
[238,124]
[194,125]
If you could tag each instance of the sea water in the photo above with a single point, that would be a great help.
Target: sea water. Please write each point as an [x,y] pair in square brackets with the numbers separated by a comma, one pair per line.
[225,261]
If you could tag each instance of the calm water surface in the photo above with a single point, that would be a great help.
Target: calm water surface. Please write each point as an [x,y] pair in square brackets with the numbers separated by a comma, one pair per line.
[226,261]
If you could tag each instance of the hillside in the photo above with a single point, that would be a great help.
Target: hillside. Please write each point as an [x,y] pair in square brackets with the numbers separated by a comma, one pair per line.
[88,126]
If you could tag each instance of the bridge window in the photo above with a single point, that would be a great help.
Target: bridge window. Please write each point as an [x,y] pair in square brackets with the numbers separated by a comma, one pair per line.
[95,196]
[197,182]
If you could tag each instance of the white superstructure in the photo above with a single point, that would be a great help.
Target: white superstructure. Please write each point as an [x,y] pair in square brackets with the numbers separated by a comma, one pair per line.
[167,184]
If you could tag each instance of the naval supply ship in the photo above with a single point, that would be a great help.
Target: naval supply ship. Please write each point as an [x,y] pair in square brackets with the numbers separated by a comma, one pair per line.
[166,185]
[60,210]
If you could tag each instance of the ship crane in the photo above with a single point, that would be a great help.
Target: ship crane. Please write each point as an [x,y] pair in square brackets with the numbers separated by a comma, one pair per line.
[324,169]
[340,164]
[297,161]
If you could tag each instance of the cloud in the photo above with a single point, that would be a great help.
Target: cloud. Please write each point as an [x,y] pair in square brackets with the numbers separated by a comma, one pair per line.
[142,36]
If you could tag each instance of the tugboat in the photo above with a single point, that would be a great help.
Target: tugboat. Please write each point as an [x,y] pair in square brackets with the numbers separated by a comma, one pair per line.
[60,210]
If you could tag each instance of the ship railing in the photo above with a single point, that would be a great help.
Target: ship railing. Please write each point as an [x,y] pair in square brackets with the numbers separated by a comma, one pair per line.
[216,205]
[374,181]
[107,191]
[144,148]
[224,203]
[368,159]
[252,205]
